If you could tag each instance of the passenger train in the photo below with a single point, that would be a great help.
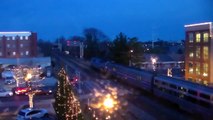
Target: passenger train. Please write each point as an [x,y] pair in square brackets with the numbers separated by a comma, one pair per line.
[189,96]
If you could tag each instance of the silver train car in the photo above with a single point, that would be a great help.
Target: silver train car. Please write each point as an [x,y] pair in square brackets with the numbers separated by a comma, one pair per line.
[192,97]
[189,96]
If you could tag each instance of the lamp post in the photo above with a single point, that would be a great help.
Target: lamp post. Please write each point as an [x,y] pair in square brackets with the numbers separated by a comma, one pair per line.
[130,60]
[30,93]
[154,61]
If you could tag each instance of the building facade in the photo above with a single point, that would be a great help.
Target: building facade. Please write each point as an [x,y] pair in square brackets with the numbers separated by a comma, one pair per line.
[199,53]
[18,44]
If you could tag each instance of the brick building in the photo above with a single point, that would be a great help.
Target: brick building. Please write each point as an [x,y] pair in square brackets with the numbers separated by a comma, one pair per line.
[18,44]
[199,53]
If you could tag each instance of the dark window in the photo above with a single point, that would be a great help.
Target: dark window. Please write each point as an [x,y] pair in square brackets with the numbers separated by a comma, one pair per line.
[204,104]
[205,96]
[192,92]
[190,99]
[33,112]
[172,86]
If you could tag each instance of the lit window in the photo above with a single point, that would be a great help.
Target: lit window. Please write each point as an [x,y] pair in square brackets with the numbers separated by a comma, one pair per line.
[197,68]
[197,52]
[191,52]
[0,53]
[205,52]
[205,37]
[21,45]
[191,37]
[13,38]
[197,37]
[8,38]
[14,53]
[205,69]
[21,37]
[26,37]
[27,53]
[8,45]
[191,67]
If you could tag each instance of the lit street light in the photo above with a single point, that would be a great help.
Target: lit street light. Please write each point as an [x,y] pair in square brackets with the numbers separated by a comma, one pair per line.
[130,60]
[154,61]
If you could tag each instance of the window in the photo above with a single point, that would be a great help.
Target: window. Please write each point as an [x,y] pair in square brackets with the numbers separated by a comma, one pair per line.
[27,53]
[14,53]
[22,53]
[8,45]
[0,53]
[191,37]
[21,37]
[191,53]
[205,69]
[205,96]
[13,38]
[197,37]
[192,92]
[197,68]
[21,45]
[191,67]
[205,52]
[197,52]
[26,37]
[206,37]
[8,38]
[8,53]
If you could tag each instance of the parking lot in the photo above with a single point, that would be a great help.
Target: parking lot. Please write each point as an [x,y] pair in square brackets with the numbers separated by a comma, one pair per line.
[10,106]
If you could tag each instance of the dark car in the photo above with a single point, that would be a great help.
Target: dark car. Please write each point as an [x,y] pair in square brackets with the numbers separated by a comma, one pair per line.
[45,91]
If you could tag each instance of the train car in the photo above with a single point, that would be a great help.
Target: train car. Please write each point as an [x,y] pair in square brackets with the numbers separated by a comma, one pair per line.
[134,77]
[192,97]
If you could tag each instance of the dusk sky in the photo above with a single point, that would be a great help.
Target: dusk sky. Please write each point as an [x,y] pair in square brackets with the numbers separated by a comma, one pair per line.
[145,19]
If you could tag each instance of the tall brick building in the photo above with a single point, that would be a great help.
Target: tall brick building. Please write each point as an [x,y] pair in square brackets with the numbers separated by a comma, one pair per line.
[18,44]
[199,53]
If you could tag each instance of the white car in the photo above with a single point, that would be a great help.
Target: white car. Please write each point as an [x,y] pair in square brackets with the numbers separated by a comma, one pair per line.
[32,114]
[4,93]
[9,81]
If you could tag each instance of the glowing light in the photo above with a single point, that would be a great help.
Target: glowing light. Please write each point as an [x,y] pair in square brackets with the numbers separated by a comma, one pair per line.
[205,74]
[108,103]
[29,76]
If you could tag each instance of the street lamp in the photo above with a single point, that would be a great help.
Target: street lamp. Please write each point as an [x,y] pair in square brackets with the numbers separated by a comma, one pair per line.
[130,60]
[154,61]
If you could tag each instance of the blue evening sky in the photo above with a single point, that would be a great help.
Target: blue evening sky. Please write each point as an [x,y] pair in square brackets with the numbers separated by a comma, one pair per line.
[145,19]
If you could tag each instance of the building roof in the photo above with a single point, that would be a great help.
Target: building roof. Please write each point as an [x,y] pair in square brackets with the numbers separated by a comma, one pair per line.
[11,34]
[198,24]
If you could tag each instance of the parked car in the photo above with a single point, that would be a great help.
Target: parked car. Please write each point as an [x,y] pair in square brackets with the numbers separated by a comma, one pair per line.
[20,90]
[31,114]
[4,93]
[9,81]
[45,91]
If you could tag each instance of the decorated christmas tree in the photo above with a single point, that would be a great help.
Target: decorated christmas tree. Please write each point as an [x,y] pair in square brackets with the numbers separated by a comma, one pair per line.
[66,105]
